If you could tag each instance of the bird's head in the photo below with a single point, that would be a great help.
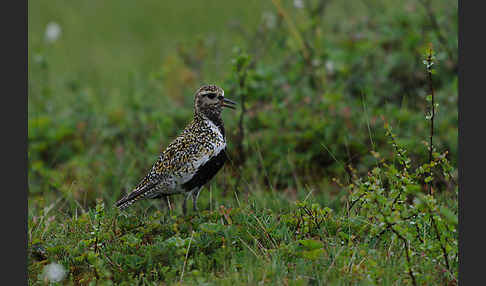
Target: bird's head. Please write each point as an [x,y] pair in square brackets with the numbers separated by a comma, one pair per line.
[209,101]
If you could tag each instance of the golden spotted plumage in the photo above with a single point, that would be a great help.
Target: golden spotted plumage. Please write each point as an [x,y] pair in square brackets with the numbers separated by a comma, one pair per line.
[185,165]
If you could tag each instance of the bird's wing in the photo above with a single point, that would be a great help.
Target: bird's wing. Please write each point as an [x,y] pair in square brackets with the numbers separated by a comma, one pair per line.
[188,154]
[201,144]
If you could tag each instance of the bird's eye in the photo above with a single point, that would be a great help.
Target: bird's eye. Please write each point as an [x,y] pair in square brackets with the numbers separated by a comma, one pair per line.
[211,95]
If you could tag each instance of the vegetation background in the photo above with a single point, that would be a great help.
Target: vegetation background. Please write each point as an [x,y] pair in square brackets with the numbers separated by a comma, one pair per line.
[331,179]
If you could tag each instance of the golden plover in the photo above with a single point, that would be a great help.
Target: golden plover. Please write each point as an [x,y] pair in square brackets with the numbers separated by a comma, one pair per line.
[193,158]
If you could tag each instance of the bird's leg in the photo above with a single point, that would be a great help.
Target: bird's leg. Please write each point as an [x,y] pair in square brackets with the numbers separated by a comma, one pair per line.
[195,195]
[166,202]
[184,209]
[169,207]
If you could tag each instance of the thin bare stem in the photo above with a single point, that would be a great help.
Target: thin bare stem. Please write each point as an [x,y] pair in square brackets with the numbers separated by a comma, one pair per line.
[429,64]
[410,272]
[444,251]
[185,260]
[242,74]
[435,26]
[241,128]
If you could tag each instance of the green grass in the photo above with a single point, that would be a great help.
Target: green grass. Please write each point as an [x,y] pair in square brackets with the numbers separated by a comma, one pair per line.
[324,174]
[233,244]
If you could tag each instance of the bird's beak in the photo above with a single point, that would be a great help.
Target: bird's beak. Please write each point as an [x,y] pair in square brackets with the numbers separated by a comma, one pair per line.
[229,103]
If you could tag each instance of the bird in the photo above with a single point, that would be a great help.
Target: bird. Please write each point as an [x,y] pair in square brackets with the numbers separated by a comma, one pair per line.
[193,158]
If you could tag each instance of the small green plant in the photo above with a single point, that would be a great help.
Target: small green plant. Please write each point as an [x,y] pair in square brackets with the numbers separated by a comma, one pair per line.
[392,200]
[308,219]
[241,65]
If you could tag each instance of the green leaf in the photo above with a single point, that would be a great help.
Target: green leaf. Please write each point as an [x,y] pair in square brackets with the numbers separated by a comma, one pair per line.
[311,244]
[313,254]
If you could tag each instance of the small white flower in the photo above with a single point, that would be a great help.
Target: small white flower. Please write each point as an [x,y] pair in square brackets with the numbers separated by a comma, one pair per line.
[299,4]
[54,272]
[269,20]
[53,32]
[330,67]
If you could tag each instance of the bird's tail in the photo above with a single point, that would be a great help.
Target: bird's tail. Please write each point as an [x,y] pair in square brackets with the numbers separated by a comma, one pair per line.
[133,196]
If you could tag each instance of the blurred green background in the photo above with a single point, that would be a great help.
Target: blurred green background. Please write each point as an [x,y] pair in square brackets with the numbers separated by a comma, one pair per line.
[115,85]
[104,43]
